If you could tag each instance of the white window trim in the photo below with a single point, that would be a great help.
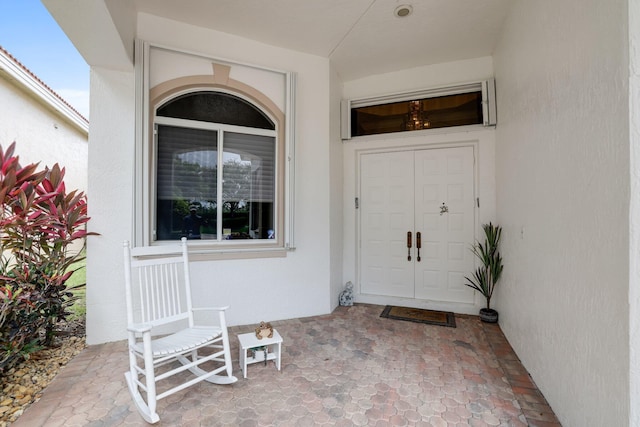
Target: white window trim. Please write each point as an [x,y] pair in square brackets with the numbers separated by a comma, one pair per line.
[142,200]
[194,124]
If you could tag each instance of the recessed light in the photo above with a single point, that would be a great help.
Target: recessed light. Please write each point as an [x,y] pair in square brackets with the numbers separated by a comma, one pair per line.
[403,11]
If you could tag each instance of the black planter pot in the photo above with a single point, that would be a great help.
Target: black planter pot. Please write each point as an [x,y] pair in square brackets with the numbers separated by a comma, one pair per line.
[488,315]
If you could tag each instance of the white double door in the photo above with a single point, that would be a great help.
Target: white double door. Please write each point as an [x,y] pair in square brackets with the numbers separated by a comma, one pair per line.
[417,223]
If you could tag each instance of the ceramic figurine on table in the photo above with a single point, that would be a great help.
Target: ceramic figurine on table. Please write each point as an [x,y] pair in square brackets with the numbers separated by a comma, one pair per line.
[264,330]
[346,296]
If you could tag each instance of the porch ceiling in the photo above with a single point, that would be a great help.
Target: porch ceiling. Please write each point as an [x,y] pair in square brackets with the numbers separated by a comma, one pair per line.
[361,37]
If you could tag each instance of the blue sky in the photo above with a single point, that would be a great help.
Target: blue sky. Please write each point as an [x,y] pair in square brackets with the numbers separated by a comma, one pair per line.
[31,35]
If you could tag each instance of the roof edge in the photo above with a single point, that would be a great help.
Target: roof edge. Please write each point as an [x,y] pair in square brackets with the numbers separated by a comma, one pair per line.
[37,87]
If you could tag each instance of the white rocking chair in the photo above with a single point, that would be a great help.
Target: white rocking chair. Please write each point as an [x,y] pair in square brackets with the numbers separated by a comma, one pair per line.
[158,292]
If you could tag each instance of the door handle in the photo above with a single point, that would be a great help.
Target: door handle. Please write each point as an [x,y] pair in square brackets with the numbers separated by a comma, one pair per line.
[409,246]
[418,243]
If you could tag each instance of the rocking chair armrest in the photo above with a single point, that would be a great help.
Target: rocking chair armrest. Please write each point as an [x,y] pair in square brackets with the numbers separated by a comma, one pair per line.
[210,308]
[139,328]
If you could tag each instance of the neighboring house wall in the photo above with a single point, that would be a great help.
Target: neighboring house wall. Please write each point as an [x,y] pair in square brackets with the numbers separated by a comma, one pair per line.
[434,76]
[42,132]
[563,200]
[256,289]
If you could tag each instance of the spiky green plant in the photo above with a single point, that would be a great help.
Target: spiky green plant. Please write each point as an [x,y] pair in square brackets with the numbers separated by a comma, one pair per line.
[486,276]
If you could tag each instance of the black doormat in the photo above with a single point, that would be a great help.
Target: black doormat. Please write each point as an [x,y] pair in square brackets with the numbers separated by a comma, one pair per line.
[419,315]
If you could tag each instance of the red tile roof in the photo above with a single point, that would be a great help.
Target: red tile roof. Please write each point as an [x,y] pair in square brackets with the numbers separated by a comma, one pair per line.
[5,53]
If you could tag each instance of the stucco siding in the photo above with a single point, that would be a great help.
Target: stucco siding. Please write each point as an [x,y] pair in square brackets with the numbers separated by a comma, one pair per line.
[562,176]
[110,165]
[336,192]
[41,134]
[634,216]
[267,289]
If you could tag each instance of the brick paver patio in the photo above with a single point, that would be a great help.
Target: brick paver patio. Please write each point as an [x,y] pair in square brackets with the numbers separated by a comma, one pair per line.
[344,369]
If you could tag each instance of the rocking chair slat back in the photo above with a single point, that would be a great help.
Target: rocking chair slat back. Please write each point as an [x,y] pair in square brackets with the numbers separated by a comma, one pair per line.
[159,291]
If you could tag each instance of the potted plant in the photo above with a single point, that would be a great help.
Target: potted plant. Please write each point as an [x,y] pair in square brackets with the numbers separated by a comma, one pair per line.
[486,276]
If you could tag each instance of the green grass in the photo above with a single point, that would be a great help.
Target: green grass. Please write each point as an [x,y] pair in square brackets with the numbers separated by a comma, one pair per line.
[79,307]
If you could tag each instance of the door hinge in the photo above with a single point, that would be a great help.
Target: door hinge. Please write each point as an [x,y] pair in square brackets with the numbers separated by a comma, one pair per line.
[357,203]
[478,201]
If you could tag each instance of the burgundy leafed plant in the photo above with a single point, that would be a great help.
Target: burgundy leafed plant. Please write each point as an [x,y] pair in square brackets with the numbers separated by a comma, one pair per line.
[39,221]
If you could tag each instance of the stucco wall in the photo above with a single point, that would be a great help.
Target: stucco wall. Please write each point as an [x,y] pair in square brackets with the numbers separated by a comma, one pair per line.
[440,75]
[336,209]
[634,216]
[41,134]
[562,174]
[110,165]
[258,289]
[418,78]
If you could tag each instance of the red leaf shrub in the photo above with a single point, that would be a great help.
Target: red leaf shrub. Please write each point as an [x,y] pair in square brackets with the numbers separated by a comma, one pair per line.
[39,221]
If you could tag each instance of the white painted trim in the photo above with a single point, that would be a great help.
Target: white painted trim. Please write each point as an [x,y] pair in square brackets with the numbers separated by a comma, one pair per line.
[414,133]
[489,102]
[42,92]
[141,234]
[290,158]
[418,94]
[194,124]
[345,119]
[218,60]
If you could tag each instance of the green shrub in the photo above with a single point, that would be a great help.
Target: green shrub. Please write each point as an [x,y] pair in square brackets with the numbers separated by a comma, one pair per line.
[20,325]
[77,285]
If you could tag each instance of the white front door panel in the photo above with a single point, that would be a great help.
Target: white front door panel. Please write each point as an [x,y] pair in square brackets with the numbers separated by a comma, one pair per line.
[430,192]
[444,216]
[386,216]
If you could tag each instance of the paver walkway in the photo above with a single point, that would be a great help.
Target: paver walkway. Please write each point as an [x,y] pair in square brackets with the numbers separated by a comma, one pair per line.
[344,369]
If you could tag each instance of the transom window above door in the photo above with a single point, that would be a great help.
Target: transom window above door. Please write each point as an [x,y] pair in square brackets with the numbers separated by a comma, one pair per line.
[216,170]
[418,114]
[469,104]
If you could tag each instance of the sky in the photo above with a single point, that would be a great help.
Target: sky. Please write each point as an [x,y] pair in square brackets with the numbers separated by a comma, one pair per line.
[32,36]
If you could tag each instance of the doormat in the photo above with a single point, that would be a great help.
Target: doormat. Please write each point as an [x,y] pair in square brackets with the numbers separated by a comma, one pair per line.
[431,317]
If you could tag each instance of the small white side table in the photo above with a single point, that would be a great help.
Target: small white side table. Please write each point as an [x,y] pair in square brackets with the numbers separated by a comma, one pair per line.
[250,341]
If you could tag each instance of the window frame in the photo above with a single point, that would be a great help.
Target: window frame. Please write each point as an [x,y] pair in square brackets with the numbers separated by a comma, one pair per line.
[148,99]
[486,87]
[417,114]
[221,129]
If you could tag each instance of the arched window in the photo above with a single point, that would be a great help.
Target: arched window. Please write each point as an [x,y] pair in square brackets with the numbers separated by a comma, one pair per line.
[216,169]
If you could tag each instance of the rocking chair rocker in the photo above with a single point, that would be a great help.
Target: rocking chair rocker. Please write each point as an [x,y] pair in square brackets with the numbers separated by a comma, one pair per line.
[162,328]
